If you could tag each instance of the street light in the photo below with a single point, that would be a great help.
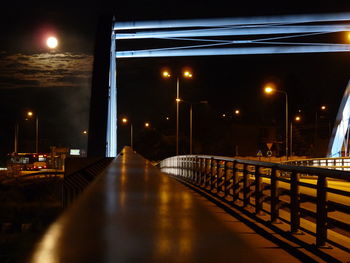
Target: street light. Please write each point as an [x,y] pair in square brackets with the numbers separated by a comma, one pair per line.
[296,119]
[125,121]
[269,89]
[147,125]
[191,118]
[237,112]
[323,108]
[30,114]
[186,74]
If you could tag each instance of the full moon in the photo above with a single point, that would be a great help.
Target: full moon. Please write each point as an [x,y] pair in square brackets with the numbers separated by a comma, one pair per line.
[52,42]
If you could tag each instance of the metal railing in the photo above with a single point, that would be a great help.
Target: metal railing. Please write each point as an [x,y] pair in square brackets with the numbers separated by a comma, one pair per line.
[335,163]
[75,183]
[271,188]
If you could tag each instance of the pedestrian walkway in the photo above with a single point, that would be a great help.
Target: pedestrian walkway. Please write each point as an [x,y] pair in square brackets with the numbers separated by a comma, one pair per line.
[134,213]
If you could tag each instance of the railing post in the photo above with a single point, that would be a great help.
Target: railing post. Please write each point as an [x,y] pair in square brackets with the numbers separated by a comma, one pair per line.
[321,210]
[224,174]
[234,182]
[258,190]
[200,171]
[274,196]
[195,170]
[212,176]
[246,187]
[217,172]
[294,203]
[207,173]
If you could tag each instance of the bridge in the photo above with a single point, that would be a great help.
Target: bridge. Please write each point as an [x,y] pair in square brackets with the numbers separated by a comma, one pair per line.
[199,208]
[202,209]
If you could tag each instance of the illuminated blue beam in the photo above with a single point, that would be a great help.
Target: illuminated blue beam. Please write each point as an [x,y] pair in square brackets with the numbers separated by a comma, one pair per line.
[306,18]
[111,136]
[232,51]
[235,31]
[339,142]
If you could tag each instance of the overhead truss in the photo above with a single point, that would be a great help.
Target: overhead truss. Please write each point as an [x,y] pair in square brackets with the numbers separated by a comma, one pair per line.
[225,36]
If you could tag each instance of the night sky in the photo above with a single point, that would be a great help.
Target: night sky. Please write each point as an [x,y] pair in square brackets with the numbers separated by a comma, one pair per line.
[56,85]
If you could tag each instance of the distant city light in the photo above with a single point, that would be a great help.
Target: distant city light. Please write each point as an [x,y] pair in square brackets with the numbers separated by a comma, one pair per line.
[297,118]
[124,120]
[237,112]
[223,115]
[147,125]
[85,132]
[29,113]
[167,118]
[52,42]
[323,107]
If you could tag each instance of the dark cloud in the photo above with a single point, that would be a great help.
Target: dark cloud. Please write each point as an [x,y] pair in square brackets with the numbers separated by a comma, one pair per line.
[45,70]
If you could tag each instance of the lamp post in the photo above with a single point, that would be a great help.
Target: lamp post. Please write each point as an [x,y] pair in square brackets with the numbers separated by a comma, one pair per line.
[270,89]
[296,119]
[323,108]
[16,138]
[191,119]
[186,74]
[125,121]
[30,115]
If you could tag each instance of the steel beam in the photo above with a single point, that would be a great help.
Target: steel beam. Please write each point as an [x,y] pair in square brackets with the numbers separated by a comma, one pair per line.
[287,19]
[235,31]
[233,51]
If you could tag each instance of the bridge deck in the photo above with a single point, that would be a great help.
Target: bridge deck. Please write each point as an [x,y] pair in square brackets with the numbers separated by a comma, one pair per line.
[134,213]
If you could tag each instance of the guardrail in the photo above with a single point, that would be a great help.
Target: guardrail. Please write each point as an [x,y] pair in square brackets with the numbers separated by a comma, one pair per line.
[75,183]
[335,163]
[271,188]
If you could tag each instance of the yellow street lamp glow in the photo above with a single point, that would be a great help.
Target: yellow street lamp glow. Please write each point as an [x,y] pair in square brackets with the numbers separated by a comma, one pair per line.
[85,132]
[147,124]
[223,115]
[29,113]
[187,74]
[237,112]
[124,120]
[323,107]
[52,42]
[268,89]
[297,118]
[166,74]
[178,100]
[167,118]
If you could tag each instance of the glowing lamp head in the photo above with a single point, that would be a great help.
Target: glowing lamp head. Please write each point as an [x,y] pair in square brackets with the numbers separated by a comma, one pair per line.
[297,118]
[85,132]
[268,90]
[323,107]
[147,125]
[223,115]
[30,114]
[52,42]
[166,74]
[187,74]
[237,112]
[124,120]
[178,100]
[167,118]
